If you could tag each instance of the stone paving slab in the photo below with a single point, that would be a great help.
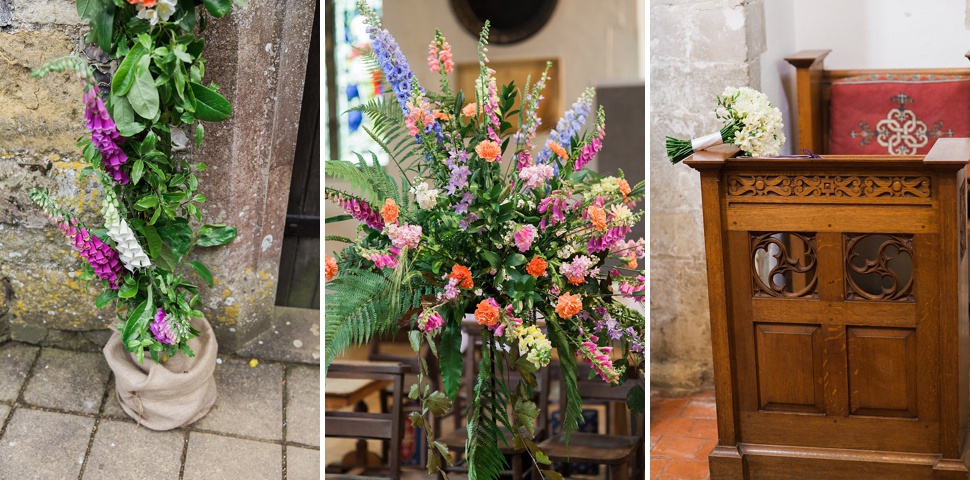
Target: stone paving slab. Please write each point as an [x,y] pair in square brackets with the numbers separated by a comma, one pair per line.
[216,457]
[249,400]
[15,360]
[302,463]
[112,409]
[125,450]
[66,380]
[294,337]
[44,445]
[4,410]
[303,405]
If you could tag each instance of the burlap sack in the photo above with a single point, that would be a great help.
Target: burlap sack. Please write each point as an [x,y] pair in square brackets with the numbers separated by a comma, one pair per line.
[163,396]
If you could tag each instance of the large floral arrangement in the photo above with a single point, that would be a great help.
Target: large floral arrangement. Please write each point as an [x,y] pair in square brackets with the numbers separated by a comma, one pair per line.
[514,246]
[136,127]
[750,123]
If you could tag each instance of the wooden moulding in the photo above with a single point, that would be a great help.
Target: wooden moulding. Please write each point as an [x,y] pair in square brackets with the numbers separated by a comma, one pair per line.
[822,380]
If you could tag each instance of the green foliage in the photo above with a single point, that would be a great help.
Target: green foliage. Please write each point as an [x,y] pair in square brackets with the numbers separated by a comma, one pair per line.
[371,180]
[388,128]
[451,357]
[361,304]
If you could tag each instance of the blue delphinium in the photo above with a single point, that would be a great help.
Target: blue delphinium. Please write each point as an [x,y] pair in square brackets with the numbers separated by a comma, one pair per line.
[569,125]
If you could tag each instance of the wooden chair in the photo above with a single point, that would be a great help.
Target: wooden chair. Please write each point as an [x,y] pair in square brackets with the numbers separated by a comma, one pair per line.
[456,439]
[365,425]
[814,86]
[619,452]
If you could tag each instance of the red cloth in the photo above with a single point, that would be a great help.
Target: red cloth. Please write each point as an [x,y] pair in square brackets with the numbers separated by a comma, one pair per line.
[897,114]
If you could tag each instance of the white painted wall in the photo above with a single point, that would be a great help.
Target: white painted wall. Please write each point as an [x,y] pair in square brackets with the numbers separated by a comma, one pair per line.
[884,33]
[777,76]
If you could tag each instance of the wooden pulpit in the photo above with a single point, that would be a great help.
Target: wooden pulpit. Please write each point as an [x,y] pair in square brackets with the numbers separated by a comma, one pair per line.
[839,314]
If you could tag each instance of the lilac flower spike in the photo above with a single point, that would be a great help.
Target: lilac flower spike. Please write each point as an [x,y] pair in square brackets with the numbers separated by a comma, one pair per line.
[392,61]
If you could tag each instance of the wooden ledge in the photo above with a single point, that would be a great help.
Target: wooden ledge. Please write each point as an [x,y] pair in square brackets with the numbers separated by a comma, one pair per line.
[806,58]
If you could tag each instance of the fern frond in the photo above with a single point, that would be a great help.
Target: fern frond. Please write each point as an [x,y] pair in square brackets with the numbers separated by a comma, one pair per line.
[372,181]
[487,411]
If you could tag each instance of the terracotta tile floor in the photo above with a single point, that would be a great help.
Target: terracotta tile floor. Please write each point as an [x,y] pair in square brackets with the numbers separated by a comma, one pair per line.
[683,431]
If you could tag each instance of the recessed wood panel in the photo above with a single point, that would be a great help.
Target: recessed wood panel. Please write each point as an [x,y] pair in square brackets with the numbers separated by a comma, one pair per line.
[789,367]
[882,371]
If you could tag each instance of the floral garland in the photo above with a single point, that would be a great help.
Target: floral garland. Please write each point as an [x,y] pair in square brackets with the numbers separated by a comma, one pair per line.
[135,128]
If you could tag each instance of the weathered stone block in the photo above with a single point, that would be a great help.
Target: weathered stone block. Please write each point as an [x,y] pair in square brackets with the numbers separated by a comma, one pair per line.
[38,114]
[718,33]
[48,12]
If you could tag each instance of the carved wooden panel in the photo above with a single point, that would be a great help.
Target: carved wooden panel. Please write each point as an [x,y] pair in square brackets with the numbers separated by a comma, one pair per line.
[784,264]
[879,267]
[882,371]
[789,365]
[864,186]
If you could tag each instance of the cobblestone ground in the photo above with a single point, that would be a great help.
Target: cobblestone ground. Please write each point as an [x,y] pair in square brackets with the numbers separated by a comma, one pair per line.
[59,419]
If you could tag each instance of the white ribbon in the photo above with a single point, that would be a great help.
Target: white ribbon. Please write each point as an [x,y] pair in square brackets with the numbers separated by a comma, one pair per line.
[697,144]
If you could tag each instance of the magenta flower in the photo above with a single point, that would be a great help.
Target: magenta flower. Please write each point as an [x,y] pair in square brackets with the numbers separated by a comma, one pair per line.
[359,209]
[103,259]
[104,135]
[162,330]
[430,322]
[590,149]
[557,203]
[605,242]
[599,360]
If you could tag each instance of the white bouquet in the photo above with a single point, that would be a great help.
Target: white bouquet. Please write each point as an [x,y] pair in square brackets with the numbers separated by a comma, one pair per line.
[751,123]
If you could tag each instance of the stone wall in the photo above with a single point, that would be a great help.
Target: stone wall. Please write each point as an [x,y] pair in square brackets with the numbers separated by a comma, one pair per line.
[257,56]
[697,48]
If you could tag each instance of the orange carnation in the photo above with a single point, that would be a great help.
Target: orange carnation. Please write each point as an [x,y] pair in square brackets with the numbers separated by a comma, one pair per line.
[624,188]
[632,264]
[489,150]
[568,305]
[557,148]
[463,275]
[441,115]
[598,216]
[486,314]
[576,280]
[537,267]
[331,267]
[469,110]
[389,211]
[146,3]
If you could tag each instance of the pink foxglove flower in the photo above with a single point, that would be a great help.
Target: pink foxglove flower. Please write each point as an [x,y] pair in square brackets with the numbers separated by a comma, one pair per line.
[524,237]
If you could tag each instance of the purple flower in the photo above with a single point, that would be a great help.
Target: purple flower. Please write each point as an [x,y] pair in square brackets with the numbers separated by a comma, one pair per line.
[104,135]
[458,179]
[162,330]
[466,200]
[468,220]
[557,203]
